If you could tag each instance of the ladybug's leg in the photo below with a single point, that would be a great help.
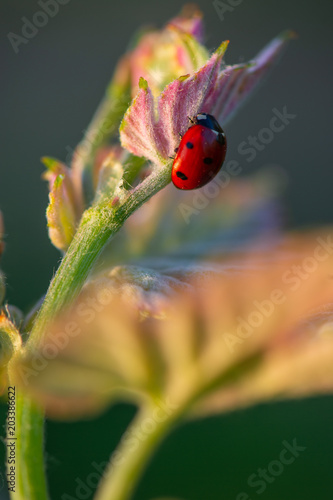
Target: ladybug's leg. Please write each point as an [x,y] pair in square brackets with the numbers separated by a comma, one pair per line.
[191,119]
[176,149]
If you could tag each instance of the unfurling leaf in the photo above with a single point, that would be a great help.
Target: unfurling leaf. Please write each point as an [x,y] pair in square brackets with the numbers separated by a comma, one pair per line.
[110,175]
[66,203]
[60,215]
[161,56]
[208,89]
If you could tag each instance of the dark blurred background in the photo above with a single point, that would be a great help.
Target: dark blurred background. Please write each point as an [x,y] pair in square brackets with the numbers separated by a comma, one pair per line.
[49,91]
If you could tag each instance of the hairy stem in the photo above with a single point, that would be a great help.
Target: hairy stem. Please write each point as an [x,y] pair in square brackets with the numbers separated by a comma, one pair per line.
[30,482]
[130,459]
[148,430]
[98,225]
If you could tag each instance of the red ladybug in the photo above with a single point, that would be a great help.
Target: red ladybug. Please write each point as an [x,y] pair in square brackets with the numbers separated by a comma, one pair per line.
[200,154]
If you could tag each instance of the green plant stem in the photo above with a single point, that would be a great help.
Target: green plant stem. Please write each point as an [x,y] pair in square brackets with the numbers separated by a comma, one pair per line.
[98,225]
[131,457]
[30,482]
[146,432]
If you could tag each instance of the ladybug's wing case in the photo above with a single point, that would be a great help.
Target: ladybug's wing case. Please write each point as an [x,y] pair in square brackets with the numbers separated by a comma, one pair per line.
[199,157]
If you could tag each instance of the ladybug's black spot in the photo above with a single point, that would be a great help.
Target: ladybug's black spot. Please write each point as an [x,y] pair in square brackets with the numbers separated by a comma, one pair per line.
[189,145]
[208,161]
[221,139]
[181,176]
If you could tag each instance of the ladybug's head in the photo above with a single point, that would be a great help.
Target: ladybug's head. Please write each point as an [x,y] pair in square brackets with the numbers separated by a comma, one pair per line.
[208,121]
